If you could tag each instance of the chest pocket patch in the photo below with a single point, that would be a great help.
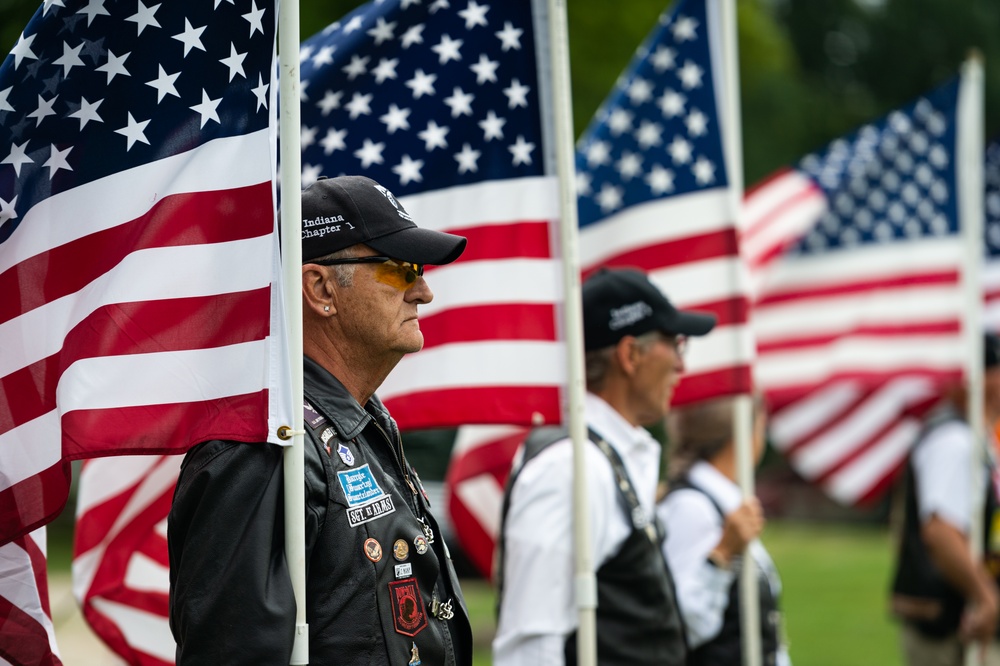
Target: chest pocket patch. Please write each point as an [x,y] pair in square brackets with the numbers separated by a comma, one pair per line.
[366,500]
[409,615]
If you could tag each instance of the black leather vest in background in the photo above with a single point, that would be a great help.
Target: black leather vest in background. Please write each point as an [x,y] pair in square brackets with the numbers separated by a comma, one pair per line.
[727,646]
[364,611]
[916,575]
[637,618]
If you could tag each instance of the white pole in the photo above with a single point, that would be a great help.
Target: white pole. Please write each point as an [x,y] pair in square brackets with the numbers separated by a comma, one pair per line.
[969,183]
[586,583]
[291,248]
[732,136]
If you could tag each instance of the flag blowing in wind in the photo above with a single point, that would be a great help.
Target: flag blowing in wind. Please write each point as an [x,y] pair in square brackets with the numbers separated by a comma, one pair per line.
[440,103]
[856,257]
[138,259]
[137,244]
[653,192]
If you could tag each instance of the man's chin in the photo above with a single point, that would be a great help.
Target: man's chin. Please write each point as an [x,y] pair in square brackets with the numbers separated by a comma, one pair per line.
[414,344]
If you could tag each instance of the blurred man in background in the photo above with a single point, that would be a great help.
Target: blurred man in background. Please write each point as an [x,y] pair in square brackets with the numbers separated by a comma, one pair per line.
[634,341]
[944,594]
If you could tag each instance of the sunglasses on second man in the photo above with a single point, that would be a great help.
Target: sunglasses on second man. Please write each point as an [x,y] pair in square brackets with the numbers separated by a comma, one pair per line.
[399,274]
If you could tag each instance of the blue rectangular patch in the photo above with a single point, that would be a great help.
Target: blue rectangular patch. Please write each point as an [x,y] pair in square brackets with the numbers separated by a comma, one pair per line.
[359,485]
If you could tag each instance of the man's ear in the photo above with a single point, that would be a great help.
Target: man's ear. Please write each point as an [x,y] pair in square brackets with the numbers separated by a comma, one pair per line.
[319,292]
[627,355]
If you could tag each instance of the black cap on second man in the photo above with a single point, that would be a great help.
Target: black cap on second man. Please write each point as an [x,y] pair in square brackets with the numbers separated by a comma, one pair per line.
[344,211]
[622,301]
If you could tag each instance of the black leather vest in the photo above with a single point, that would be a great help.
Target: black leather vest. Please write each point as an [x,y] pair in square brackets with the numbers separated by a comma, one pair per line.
[637,617]
[727,646]
[916,575]
[381,583]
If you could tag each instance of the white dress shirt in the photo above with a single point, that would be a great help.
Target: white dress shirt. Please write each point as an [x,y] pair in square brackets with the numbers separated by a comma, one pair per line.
[694,527]
[538,610]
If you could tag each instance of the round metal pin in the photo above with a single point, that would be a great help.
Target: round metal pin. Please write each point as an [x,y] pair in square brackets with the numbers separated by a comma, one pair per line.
[373,550]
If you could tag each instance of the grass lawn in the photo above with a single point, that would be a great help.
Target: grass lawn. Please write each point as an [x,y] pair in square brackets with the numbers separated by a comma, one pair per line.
[835,579]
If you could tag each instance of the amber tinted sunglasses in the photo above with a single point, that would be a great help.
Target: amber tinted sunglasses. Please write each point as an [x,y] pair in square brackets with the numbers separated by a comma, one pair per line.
[399,274]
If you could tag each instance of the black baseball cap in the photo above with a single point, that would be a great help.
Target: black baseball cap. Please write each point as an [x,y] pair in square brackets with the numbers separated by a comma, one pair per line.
[348,210]
[622,301]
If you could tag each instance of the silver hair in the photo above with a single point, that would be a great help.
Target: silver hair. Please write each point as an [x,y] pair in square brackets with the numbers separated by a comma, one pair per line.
[598,362]
[344,273]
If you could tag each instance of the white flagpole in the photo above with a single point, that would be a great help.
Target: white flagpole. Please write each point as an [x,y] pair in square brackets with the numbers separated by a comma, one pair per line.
[732,136]
[586,582]
[289,124]
[969,183]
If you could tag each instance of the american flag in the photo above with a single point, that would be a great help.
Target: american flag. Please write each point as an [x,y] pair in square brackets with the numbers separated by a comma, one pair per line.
[856,253]
[441,103]
[653,192]
[137,245]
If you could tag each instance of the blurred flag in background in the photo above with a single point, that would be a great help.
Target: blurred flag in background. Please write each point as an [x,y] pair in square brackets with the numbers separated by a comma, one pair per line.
[856,257]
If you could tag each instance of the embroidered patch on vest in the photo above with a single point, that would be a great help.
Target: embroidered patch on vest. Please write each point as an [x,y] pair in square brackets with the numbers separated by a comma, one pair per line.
[365,498]
[360,486]
[345,454]
[313,418]
[408,612]
[362,514]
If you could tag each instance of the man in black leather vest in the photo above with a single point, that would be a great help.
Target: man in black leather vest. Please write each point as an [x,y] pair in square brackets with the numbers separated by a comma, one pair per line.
[944,595]
[633,339]
[381,588]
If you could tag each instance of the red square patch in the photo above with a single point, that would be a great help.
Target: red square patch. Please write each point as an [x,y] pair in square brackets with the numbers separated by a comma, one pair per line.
[408,611]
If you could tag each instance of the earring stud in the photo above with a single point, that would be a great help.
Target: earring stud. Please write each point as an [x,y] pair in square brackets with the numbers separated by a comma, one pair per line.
[326,308]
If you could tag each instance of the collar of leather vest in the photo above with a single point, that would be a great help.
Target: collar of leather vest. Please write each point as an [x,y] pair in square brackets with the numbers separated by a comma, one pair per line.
[332,400]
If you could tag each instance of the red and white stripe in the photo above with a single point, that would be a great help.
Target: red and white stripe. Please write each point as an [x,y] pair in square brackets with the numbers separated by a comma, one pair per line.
[491,348]
[27,637]
[120,562]
[777,212]
[149,323]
